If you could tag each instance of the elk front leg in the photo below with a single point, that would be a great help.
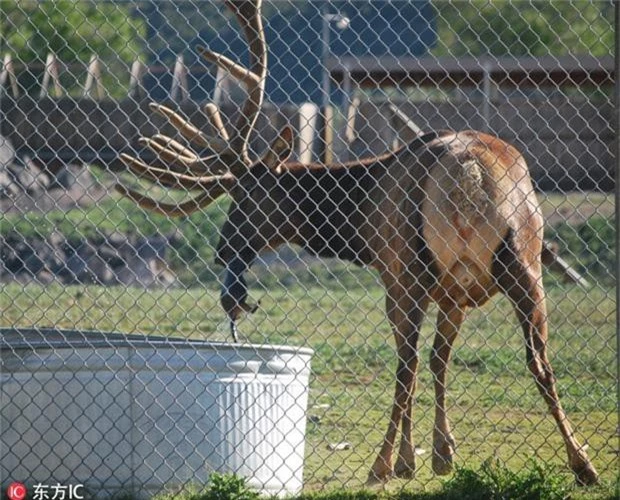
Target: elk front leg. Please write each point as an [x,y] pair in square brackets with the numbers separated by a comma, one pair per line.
[522,283]
[406,312]
[449,321]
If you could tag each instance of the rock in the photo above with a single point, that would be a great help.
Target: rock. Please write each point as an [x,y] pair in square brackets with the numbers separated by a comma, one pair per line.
[321,406]
[30,177]
[339,446]
[110,255]
[44,277]
[8,187]
[7,152]
[114,260]
[76,264]
[22,256]
[72,177]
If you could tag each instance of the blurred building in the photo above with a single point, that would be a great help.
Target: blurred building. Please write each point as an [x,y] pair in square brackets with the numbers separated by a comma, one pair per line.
[376,30]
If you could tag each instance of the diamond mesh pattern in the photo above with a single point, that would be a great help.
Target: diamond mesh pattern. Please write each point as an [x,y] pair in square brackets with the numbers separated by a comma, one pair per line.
[341,252]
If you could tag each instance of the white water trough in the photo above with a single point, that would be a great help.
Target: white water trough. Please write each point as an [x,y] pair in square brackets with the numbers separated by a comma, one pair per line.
[137,414]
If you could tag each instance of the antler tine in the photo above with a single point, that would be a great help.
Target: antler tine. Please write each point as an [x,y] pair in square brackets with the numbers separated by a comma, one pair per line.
[178,161]
[174,145]
[189,131]
[231,150]
[237,70]
[174,179]
[249,16]
[182,158]
[248,13]
[213,112]
[164,177]
[169,209]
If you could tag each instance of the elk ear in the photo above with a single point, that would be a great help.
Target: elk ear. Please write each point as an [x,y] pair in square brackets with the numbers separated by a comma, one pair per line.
[281,148]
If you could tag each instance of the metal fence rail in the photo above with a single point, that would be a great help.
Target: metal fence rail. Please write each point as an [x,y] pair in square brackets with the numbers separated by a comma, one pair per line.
[118,371]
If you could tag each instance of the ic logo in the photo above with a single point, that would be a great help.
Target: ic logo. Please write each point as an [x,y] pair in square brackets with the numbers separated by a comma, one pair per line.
[16,491]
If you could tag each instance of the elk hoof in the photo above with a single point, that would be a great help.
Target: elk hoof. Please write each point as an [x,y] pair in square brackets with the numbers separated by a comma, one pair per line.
[404,470]
[586,474]
[381,472]
[251,308]
[443,454]
[375,479]
[442,464]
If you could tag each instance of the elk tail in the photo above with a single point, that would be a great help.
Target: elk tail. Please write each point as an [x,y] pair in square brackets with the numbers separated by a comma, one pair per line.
[467,196]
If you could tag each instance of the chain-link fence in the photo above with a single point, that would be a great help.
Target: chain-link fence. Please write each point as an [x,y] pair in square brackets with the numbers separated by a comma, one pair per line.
[323,181]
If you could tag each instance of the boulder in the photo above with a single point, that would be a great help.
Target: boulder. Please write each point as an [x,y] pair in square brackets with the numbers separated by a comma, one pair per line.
[30,177]
[7,152]
[8,187]
[115,259]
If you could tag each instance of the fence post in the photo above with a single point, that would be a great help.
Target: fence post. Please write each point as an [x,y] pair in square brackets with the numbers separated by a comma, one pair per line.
[328,134]
[486,98]
[350,134]
[179,92]
[410,125]
[8,73]
[51,75]
[308,117]
[93,88]
[136,89]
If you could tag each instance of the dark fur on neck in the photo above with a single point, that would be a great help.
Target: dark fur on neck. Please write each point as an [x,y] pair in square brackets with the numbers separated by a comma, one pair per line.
[330,200]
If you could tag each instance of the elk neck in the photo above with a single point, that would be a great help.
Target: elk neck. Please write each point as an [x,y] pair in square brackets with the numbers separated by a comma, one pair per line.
[340,208]
[332,205]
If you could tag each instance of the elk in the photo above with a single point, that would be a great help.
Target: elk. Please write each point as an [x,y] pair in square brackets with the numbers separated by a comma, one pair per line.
[451,217]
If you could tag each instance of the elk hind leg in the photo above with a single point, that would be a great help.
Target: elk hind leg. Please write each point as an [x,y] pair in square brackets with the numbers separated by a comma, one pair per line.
[449,320]
[382,469]
[406,315]
[405,462]
[522,283]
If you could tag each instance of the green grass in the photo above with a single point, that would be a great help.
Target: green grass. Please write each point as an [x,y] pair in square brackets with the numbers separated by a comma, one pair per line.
[491,481]
[220,487]
[495,409]
[581,223]
[576,207]
[338,310]
[589,247]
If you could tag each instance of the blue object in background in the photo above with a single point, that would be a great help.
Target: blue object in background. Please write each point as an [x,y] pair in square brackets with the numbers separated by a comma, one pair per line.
[293,29]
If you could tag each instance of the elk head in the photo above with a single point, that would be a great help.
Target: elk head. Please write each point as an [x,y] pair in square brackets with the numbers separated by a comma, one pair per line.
[228,170]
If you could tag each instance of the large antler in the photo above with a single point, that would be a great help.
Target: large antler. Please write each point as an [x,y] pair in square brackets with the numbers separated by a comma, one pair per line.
[217,173]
